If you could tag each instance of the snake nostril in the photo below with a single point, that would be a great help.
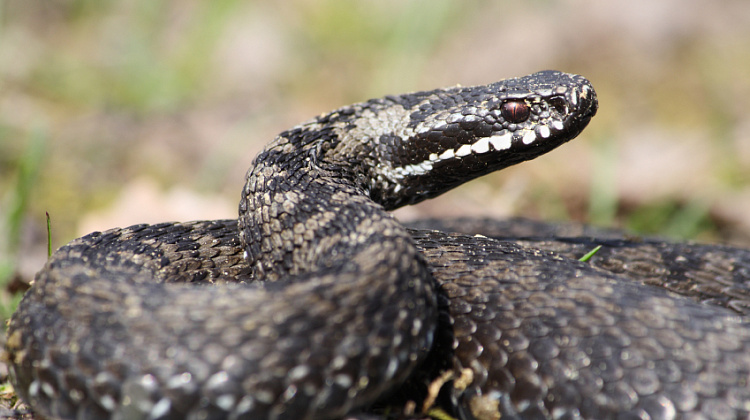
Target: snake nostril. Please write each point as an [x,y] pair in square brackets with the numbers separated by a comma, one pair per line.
[559,104]
[515,111]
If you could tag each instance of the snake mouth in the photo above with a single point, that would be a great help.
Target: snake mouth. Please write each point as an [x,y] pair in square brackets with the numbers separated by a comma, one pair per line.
[589,103]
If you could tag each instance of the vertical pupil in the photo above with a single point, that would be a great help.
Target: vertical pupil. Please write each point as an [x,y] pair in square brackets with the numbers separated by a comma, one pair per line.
[515,111]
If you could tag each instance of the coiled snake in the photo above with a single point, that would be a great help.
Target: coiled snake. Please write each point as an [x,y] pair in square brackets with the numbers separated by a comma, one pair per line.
[328,307]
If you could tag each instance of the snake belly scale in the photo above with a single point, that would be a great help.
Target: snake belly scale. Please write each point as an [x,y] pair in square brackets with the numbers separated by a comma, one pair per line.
[316,303]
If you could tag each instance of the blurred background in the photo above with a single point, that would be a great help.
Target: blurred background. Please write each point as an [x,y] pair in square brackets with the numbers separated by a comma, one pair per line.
[121,112]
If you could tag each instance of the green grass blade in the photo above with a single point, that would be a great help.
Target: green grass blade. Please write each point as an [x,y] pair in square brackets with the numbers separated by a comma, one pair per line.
[590,254]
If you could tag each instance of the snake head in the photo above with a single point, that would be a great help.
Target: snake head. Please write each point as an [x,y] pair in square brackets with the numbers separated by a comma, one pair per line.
[446,137]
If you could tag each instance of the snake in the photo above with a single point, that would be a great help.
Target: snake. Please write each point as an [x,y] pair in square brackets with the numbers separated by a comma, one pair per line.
[316,303]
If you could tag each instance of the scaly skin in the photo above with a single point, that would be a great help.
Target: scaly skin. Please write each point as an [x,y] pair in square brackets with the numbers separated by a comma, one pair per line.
[338,306]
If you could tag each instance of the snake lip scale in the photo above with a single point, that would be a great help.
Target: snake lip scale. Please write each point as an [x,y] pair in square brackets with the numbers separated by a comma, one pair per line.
[317,304]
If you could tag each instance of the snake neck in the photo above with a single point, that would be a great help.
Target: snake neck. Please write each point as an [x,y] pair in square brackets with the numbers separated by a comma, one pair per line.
[318,223]
[306,223]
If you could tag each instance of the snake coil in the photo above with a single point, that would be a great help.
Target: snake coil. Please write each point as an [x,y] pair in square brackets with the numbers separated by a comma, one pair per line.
[316,302]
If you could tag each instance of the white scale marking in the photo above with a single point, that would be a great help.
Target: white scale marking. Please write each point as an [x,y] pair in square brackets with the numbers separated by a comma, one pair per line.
[34,389]
[392,367]
[529,137]
[343,380]
[246,404]
[298,372]
[226,401]
[217,379]
[481,146]
[338,362]
[501,142]
[543,131]
[448,154]
[410,170]
[108,402]
[464,150]
[48,389]
[180,380]
[77,396]
[160,408]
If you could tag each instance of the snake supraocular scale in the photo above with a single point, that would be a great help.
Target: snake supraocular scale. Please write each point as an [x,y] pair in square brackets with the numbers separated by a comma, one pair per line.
[326,305]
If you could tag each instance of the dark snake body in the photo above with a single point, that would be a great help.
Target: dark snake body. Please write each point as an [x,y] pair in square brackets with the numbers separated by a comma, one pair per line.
[326,307]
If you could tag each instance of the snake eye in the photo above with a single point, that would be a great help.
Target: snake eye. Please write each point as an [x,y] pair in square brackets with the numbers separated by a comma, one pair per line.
[515,111]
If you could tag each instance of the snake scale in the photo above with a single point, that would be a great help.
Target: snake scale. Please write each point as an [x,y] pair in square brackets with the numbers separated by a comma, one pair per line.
[317,304]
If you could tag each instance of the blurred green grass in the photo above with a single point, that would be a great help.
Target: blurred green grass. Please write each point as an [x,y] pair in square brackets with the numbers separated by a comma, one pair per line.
[122,67]
[16,205]
[185,93]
